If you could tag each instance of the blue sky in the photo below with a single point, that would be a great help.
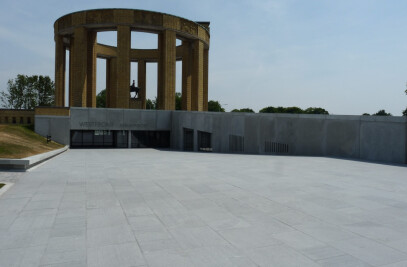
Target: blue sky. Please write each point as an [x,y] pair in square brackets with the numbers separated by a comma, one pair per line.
[348,57]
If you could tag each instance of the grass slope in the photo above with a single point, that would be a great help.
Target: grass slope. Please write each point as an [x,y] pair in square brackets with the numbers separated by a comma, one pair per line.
[18,142]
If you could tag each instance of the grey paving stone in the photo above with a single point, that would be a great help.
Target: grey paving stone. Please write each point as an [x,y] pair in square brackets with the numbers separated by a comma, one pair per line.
[279,255]
[91,207]
[168,257]
[197,237]
[23,239]
[397,264]
[127,254]
[218,256]
[342,261]
[105,217]
[66,243]
[148,246]
[30,256]
[185,220]
[63,257]
[250,237]
[109,235]
[13,204]
[326,232]
[298,240]
[321,252]
[370,251]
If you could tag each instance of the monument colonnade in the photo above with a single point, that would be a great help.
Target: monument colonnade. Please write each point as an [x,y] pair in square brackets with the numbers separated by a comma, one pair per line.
[77,32]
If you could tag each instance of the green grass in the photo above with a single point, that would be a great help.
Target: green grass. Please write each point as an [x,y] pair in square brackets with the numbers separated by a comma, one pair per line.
[20,141]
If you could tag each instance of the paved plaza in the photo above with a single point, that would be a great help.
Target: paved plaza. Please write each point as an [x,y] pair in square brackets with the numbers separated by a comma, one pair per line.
[145,207]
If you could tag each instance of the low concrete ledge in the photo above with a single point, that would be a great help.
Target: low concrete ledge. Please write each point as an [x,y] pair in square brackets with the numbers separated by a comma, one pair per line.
[26,163]
[6,187]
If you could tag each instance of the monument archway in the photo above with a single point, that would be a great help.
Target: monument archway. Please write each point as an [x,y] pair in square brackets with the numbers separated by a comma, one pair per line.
[77,32]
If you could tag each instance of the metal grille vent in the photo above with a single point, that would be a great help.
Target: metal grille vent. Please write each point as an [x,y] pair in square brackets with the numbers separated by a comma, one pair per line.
[274,147]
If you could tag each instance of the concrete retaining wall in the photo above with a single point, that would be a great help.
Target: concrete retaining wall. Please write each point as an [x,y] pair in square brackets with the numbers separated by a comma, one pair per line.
[359,137]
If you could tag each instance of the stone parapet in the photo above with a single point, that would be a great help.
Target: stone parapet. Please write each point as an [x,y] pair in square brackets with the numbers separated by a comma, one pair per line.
[17,116]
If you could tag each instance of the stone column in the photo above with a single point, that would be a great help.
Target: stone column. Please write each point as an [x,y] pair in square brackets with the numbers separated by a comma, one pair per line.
[141,80]
[71,48]
[60,55]
[186,75]
[91,70]
[197,76]
[129,139]
[79,67]
[205,79]
[166,70]
[108,83]
[112,92]
[123,66]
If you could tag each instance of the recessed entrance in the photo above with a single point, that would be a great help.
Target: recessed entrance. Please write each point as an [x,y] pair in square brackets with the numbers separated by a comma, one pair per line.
[151,139]
[119,139]
[188,139]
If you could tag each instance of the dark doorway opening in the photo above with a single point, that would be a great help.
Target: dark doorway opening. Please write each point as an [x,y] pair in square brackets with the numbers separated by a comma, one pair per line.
[188,139]
[204,141]
[150,139]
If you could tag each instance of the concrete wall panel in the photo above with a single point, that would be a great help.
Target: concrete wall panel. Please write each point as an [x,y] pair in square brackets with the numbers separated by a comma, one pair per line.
[163,119]
[381,141]
[57,127]
[309,136]
[342,138]
[252,143]
[41,125]
[59,130]
[78,116]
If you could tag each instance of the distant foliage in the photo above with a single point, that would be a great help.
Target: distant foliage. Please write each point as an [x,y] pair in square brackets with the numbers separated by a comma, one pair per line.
[316,111]
[178,101]
[247,110]
[365,114]
[101,99]
[382,112]
[272,110]
[151,104]
[27,92]
[294,110]
[215,106]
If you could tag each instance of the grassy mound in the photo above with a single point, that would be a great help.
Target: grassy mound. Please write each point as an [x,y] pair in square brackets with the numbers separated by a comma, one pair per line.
[18,142]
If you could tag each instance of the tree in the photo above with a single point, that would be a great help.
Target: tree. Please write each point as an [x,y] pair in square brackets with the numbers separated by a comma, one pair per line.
[101,99]
[151,104]
[382,112]
[215,106]
[365,114]
[292,110]
[247,110]
[316,111]
[27,92]
[268,110]
[178,101]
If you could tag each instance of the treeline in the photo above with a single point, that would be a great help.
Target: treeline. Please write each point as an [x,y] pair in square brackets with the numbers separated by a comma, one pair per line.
[27,92]
[290,110]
